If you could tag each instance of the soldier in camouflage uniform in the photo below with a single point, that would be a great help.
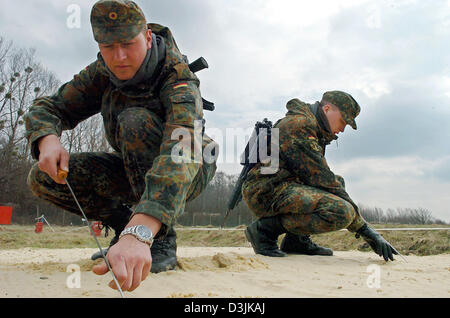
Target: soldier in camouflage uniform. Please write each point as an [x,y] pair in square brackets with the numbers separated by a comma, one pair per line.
[305,197]
[145,92]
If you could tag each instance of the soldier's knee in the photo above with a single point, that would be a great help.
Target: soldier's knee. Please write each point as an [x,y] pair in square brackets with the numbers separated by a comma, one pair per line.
[346,214]
[336,211]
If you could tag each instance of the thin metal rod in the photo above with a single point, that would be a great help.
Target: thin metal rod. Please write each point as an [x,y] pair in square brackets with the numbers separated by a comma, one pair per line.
[43,218]
[47,223]
[399,253]
[96,240]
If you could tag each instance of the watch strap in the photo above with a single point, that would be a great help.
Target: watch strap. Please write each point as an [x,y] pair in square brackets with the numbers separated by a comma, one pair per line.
[133,230]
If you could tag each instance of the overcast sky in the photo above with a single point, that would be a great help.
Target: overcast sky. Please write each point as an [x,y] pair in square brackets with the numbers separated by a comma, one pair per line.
[391,56]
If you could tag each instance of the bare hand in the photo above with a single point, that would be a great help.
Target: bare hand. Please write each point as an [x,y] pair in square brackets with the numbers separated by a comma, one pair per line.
[130,261]
[53,156]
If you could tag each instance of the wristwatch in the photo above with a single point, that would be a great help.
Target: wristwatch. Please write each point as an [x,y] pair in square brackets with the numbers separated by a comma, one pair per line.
[141,232]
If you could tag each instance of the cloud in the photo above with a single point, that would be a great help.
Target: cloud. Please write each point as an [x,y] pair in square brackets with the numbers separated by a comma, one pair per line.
[43,25]
[404,181]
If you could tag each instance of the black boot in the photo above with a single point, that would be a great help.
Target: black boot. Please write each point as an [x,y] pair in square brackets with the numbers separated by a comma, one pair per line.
[116,220]
[302,244]
[164,253]
[263,235]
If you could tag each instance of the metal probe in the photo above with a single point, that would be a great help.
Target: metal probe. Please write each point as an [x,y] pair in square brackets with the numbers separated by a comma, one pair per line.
[63,175]
[399,253]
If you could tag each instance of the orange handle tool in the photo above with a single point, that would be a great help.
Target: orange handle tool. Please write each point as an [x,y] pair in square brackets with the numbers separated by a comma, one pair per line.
[62,174]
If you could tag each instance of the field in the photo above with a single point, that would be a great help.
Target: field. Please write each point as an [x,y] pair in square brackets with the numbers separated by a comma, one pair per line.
[419,243]
[220,263]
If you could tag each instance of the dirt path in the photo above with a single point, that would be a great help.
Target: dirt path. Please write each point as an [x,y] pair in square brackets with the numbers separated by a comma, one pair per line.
[230,273]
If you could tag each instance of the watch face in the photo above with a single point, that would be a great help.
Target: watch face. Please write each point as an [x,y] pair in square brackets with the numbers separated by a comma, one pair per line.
[144,232]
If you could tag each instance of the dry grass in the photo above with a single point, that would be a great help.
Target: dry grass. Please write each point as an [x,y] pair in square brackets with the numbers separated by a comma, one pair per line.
[15,236]
[407,242]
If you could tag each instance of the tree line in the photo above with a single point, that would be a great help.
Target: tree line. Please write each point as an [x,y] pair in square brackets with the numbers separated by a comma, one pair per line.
[23,79]
[399,216]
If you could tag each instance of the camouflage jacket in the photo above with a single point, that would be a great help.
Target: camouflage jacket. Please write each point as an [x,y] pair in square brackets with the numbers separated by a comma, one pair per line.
[178,106]
[302,155]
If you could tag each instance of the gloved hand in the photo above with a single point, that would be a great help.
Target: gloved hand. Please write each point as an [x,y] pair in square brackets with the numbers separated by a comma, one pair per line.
[377,242]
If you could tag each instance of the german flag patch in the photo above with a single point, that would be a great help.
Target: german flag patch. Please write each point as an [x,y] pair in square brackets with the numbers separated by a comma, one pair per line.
[180,85]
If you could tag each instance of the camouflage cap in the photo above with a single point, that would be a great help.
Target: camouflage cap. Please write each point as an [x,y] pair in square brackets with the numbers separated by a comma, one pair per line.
[346,103]
[115,21]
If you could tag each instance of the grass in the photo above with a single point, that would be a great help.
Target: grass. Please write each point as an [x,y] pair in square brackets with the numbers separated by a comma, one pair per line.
[15,236]
[406,242]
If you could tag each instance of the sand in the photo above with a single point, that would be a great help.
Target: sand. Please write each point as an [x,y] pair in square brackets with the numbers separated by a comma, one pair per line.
[229,273]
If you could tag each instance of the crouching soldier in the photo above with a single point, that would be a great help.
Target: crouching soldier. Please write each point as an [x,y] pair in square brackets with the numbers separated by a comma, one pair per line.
[145,92]
[305,197]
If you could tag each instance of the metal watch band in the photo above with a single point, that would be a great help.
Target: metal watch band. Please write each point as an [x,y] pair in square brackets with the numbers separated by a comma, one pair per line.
[134,230]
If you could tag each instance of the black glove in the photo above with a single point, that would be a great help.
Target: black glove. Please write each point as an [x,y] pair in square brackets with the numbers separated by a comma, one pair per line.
[377,242]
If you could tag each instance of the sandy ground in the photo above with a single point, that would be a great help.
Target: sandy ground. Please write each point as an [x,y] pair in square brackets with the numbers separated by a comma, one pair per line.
[229,273]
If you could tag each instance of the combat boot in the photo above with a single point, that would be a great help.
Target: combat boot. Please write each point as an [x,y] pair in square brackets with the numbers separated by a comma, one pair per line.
[302,244]
[116,220]
[164,253]
[263,235]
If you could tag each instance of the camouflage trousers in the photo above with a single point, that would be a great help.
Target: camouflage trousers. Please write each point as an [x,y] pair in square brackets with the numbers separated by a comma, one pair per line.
[304,210]
[106,182]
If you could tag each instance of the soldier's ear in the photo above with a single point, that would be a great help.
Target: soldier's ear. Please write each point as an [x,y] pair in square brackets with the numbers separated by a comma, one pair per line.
[148,38]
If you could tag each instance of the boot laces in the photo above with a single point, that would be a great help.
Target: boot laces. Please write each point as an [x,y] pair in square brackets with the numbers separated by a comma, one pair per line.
[161,245]
[162,249]
[306,239]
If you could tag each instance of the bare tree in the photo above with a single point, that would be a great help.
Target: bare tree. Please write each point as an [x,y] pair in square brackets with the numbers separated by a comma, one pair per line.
[370,214]
[88,136]
[422,216]
[22,79]
[399,216]
[5,47]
